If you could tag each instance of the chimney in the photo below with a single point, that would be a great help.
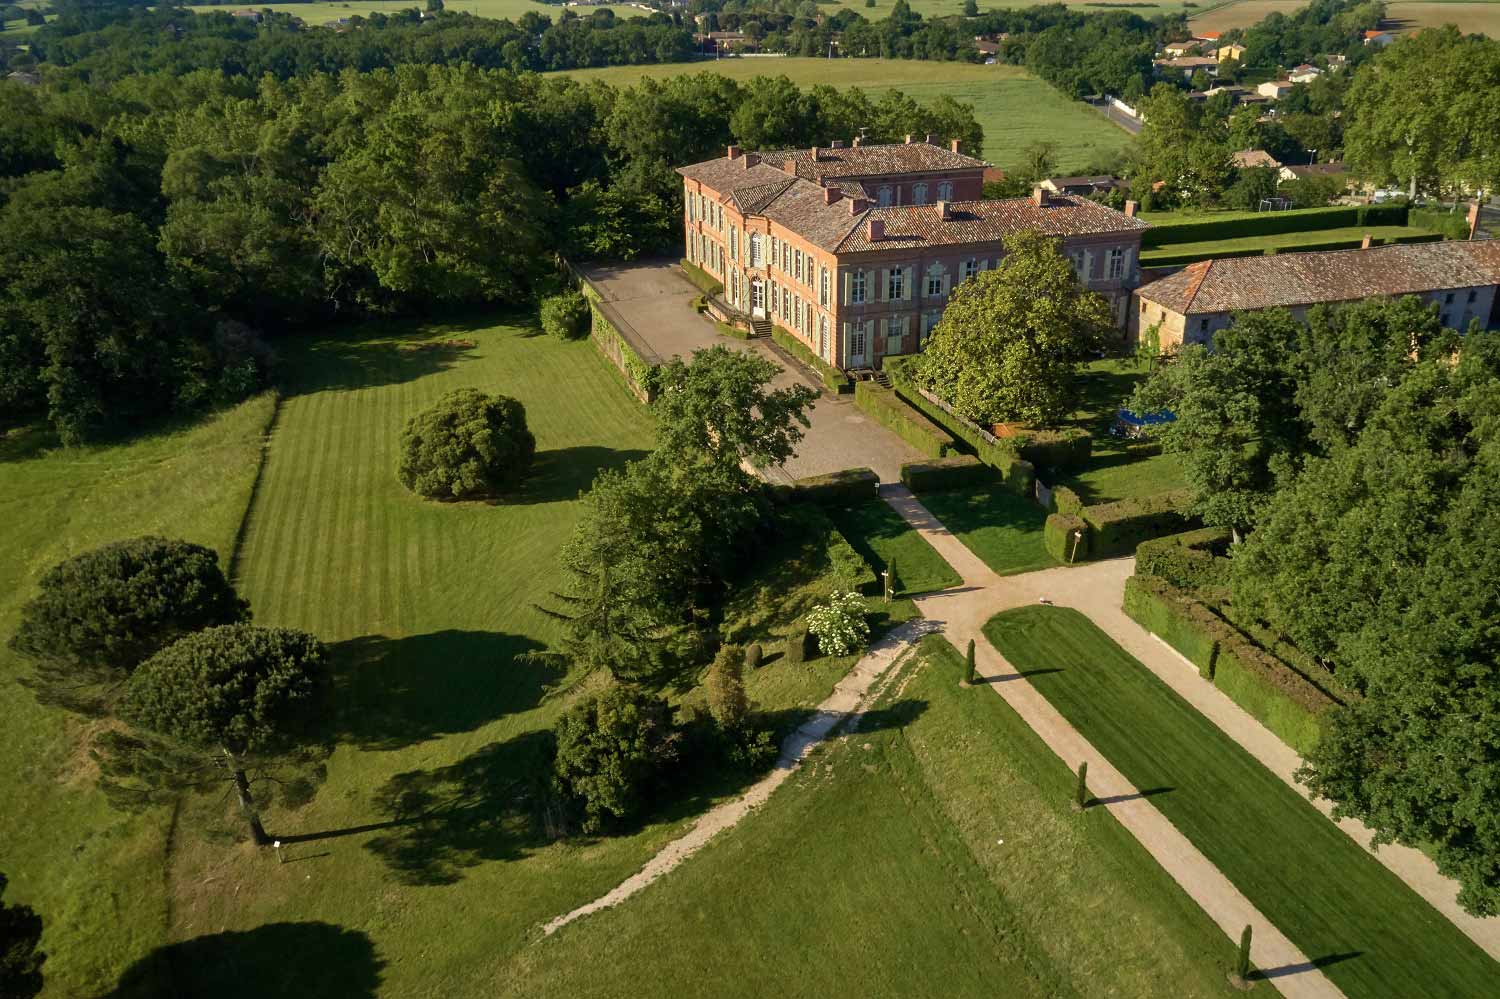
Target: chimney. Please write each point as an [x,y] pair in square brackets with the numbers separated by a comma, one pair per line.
[909,137]
[1039,196]
[734,152]
[931,139]
[830,195]
[1364,244]
[815,154]
[874,230]
[858,139]
[789,167]
[1130,208]
[857,205]
[953,144]
[942,210]
[1473,217]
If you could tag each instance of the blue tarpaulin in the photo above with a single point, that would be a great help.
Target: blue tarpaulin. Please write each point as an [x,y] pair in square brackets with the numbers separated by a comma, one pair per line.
[1130,419]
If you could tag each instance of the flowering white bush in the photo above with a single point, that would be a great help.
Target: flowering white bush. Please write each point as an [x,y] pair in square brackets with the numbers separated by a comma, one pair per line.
[839,625]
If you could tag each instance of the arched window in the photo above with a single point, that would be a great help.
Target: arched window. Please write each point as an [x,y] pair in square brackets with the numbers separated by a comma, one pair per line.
[945,191]
[919,194]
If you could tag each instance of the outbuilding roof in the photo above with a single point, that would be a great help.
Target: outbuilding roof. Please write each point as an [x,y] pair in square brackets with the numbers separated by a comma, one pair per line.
[1289,280]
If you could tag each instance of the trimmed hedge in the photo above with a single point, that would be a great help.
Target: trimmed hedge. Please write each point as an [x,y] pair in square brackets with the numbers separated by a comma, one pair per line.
[1189,560]
[832,378]
[565,316]
[1420,237]
[1451,225]
[848,565]
[1059,449]
[1066,501]
[1281,698]
[608,341]
[957,472]
[1386,214]
[701,279]
[1259,224]
[1117,528]
[1057,537]
[1017,474]
[852,485]
[894,413]
[1169,259]
[733,331]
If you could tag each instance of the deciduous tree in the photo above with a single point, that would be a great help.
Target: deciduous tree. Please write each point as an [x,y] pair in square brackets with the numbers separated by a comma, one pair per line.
[612,750]
[21,956]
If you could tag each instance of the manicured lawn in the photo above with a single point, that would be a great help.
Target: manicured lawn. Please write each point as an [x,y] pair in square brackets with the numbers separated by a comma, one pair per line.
[879,870]
[1370,933]
[1003,529]
[1118,473]
[1014,107]
[1282,241]
[879,534]
[95,874]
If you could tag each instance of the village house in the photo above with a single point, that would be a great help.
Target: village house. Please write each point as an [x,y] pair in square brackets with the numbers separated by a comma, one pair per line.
[1305,73]
[1275,89]
[1378,38]
[1193,304]
[1083,186]
[1226,52]
[1306,170]
[1187,65]
[855,248]
[1250,158]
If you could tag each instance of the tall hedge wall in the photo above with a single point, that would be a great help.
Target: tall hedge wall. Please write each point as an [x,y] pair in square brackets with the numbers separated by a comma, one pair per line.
[1063,450]
[1188,560]
[1259,224]
[1016,473]
[852,485]
[831,377]
[894,413]
[1117,528]
[1279,697]
[1057,537]
[956,472]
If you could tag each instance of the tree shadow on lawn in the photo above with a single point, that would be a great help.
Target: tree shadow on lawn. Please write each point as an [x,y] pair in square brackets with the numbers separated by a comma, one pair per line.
[393,692]
[1268,974]
[970,510]
[563,473]
[490,805]
[311,959]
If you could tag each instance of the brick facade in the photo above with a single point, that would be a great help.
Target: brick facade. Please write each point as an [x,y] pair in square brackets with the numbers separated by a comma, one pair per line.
[801,238]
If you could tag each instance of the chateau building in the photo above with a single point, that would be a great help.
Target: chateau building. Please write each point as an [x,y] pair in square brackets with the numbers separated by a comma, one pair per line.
[856,248]
[1461,278]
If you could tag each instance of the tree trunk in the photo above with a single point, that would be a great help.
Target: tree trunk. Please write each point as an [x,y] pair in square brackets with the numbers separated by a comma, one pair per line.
[247,802]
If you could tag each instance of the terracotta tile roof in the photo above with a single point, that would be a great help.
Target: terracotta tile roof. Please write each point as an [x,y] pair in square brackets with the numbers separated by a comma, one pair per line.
[752,200]
[803,209]
[725,175]
[1255,158]
[1317,170]
[987,221]
[1231,284]
[874,161]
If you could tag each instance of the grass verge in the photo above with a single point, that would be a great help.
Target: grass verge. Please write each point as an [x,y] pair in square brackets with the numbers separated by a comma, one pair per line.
[1370,934]
[879,534]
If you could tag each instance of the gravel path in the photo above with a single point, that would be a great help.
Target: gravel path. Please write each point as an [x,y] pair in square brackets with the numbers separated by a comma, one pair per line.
[851,695]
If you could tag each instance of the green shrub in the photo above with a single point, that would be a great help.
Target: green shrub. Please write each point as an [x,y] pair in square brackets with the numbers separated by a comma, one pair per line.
[1117,528]
[1065,500]
[832,378]
[957,472]
[613,748]
[565,316]
[1057,449]
[1185,625]
[840,624]
[1451,225]
[639,373]
[894,413]
[796,646]
[1421,237]
[1260,224]
[1016,473]
[1057,537]
[848,567]
[753,656]
[1188,560]
[733,331]
[725,688]
[701,279]
[844,488]
[466,445]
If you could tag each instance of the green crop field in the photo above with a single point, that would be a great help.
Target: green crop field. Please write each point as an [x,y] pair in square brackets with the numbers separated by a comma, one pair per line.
[1471,16]
[96,874]
[324,11]
[932,852]
[1014,107]
[1370,934]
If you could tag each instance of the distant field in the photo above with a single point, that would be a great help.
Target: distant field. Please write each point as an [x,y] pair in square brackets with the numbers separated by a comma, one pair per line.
[1243,14]
[322,13]
[1014,107]
[1472,16]
[950,8]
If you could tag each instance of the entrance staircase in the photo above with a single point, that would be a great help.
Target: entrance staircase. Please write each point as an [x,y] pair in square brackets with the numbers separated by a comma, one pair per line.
[760,328]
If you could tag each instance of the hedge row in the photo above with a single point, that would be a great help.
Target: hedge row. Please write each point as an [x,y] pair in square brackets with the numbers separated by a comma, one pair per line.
[832,378]
[1452,225]
[1269,224]
[1117,528]
[957,472]
[1278,696]
[733,331]
[1169,259]
[1066,501]
[845,488]
[1058,537]
[892,412]
[702,280]
[1189,560]
[1057,449]
[1016,473]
